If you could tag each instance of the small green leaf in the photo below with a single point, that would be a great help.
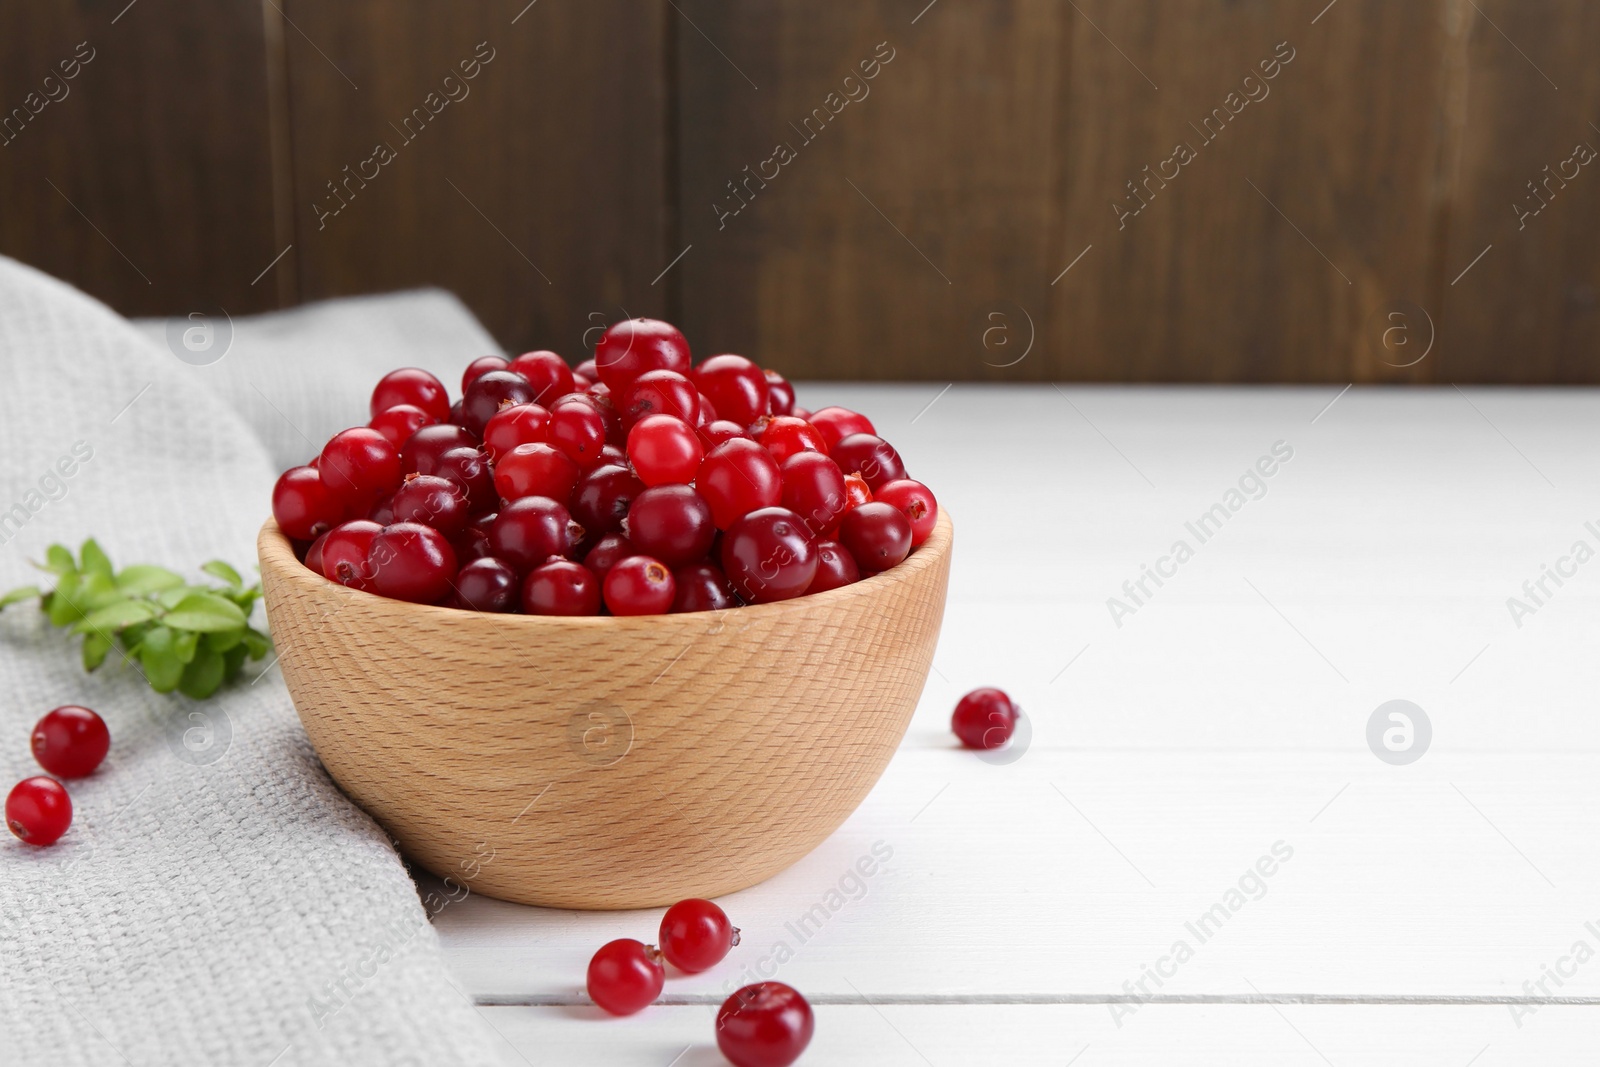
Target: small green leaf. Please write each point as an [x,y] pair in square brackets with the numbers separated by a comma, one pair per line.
[257,642]
[218,569]
[223,640]
[115,616]
[184,643]
[158,655]
[132,635]
[233,662]
[205,613]
[62,608]
[58,561]
[171,598]
[95,647]
[95,591]
[204,676]
[142,579]
[95,560]
[18,595]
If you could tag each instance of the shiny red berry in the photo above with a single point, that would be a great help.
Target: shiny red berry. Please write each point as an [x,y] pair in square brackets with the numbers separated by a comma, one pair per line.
[469,469]
[535,470]
[489,393]
[398,423]
[481,366]
[664,450]
[344,553]
[702,587]
[836,423]
[877,535]
[872,457]
[718,431]
[38,810]
[915,502]
[579,431]
[767,1024]
[672,524]
[528,531]
[639,585]
[606,552]
[625,976]
[603,496]
[432,501]
[629,348]
[412,562]
[814,489]
[785,436]
[769,555]
[70,741]
[835,567]
[561,587]
[696,935]
[546,371]
[513,425]
[736,478]
[303,505]
[660,392]
[735,386]
[413,386]
[486,584]
[984,718]
[360,466]
[420,454]
[780,394]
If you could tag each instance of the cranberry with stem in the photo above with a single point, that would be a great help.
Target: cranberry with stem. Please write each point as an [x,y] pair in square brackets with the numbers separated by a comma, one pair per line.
[696,935]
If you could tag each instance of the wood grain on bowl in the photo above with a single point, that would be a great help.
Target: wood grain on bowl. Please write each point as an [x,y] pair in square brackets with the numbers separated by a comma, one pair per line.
[607,762]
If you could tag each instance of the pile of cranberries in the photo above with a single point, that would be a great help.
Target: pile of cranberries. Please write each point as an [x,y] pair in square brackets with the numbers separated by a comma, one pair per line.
[637,484]
[767,1024]
[69,742]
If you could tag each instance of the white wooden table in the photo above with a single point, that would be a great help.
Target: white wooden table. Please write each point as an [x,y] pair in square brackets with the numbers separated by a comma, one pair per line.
[1422,905]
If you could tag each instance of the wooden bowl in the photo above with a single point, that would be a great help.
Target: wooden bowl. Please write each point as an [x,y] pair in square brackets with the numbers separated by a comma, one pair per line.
[607,762]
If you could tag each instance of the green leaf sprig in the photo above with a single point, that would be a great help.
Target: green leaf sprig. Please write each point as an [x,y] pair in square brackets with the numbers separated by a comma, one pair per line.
[188,638]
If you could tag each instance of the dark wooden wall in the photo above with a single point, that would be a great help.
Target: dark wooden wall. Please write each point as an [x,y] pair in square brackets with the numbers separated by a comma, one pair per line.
[920,225]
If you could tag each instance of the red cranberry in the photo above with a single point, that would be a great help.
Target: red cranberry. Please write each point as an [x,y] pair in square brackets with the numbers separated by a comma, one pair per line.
[432,501]
[768,555]
[767,1024]
[702,587]
[629,348]
[486,396]
[785,436]
[835,424]
[518,424]
[420,454]
[705,412]
[486,584]
[602,498]
[547,372]
[736,478]
[671,523]
[916,502]
[468,468]
[877,535]
[313,558]
[625,976]
[528,531]
[586,369]
[415,387]
[814,489]
[71,741]
[455,414]
[398,423]
[412,562]
[984,718]
[835,567]
[735,386]
[561,587]
[382,512]
[481,366]
[639,585]
[801,413]
[345,552]
[579,431]
[872,457]
[780,394]
[606,552]
[719,432]
[663,450]
[472,543]
[303,506]
[38,810]
[696,935]
[660,392]
[535,470]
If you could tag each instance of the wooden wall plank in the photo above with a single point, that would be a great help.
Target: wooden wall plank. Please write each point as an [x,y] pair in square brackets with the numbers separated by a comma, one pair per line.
[1528,311]
[537,190]
[157,151]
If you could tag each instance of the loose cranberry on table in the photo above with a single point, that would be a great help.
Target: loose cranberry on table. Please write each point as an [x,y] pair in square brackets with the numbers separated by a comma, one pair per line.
[767,1024]
[915,502]
[736,478]
[769,555]
[344,553]
[696,935]
[702,587]
[410,385]
[878,535]
[528,531]
[639,585]
[664,450]
[486,584]
[409,561]
[561,587]
[625,976]
[547,372]
[671,523]
[629,348]
[70,741]
[734,385]
[984,718]
[38,810]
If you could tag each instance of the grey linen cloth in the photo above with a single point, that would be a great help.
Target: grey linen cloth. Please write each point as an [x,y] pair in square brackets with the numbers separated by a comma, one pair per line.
[217,899]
